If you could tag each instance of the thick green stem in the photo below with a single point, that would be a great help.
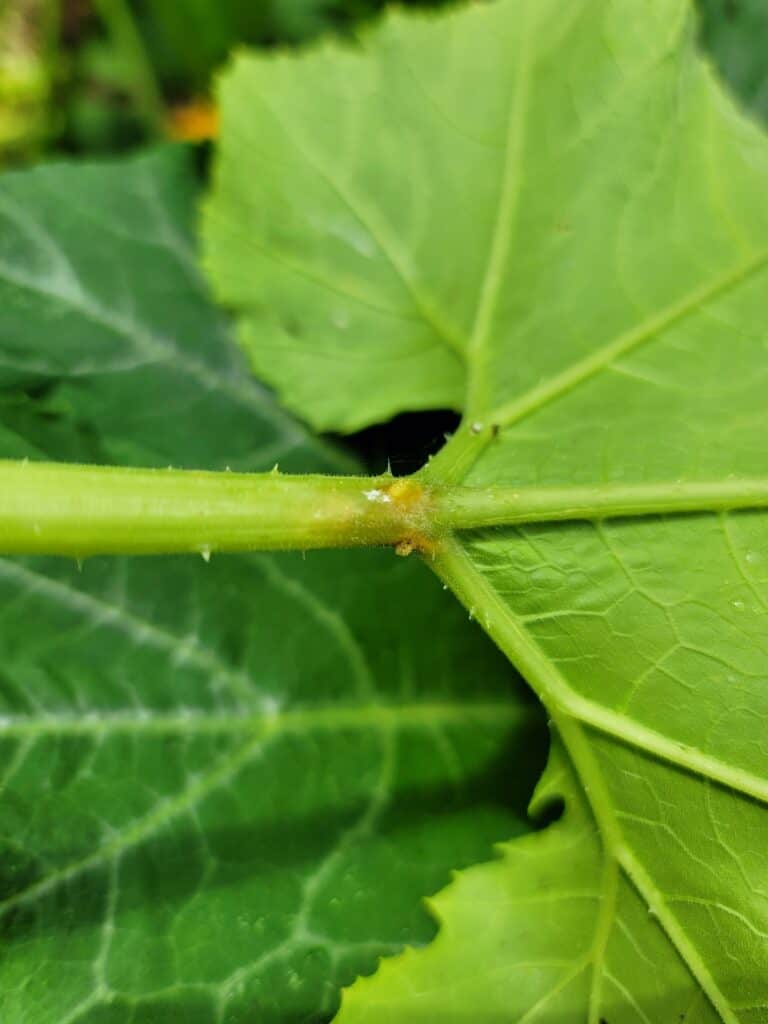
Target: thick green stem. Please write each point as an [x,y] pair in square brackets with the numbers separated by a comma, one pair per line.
[50,508]
[47,508]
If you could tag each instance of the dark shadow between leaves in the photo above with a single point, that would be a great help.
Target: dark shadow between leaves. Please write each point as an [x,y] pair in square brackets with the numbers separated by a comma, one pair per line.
[404,444]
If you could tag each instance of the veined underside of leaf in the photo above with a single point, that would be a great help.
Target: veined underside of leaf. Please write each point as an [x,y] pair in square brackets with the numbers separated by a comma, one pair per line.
[225,786]
[552,216]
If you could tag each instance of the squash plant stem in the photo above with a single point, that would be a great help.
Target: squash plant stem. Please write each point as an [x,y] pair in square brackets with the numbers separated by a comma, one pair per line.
[60,509]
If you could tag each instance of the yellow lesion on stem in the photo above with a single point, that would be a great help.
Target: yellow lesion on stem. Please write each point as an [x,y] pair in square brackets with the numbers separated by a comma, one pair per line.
[407,494]
[414,502]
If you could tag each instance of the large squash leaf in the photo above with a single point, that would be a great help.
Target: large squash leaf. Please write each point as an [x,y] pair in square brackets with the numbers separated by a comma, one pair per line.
[225,786]
[550,214]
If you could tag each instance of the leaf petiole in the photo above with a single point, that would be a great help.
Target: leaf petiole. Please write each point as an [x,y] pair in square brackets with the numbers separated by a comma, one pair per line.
[463,508]
[58,509]
[77,510]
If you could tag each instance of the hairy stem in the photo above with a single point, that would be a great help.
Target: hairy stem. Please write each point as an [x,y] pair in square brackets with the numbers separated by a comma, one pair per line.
[51,508]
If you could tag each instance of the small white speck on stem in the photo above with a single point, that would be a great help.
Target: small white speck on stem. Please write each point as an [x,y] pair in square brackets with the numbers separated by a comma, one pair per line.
[375,494]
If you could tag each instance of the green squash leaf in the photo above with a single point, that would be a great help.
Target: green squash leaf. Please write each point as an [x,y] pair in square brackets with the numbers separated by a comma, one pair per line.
[225,786]
[560,936]
[323,233]
[552,216]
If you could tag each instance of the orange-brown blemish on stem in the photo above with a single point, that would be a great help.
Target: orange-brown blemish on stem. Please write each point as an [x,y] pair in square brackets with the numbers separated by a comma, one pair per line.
[407,494]
[417,542]
[412,503]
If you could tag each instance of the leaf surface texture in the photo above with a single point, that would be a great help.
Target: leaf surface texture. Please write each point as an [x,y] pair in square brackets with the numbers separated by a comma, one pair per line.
[551,216]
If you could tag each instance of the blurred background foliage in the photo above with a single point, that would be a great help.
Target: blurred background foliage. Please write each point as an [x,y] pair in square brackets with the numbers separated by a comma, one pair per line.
[94,76]
[735,32]
[104,75]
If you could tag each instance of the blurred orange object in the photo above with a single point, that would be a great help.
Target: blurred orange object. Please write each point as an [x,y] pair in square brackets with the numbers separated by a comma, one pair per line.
[195,121]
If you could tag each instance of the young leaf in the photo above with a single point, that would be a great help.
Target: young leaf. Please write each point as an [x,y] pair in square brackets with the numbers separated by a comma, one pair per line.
[226,786]
[553,216]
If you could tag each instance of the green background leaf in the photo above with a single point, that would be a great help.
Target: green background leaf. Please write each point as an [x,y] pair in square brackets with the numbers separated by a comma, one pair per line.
[735,33]
[189,43]
[226,786]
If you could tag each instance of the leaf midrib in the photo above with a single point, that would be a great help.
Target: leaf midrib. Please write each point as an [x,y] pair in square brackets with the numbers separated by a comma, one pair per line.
[303,720]
[627,342]
[453,463]
[510,633]
[508,202]
[455,568]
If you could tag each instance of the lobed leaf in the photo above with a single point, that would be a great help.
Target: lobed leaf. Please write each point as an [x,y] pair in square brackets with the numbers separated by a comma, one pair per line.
[551,216]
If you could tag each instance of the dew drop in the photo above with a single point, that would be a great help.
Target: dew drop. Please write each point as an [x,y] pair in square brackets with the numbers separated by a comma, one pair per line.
[205,554]
[738,605]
